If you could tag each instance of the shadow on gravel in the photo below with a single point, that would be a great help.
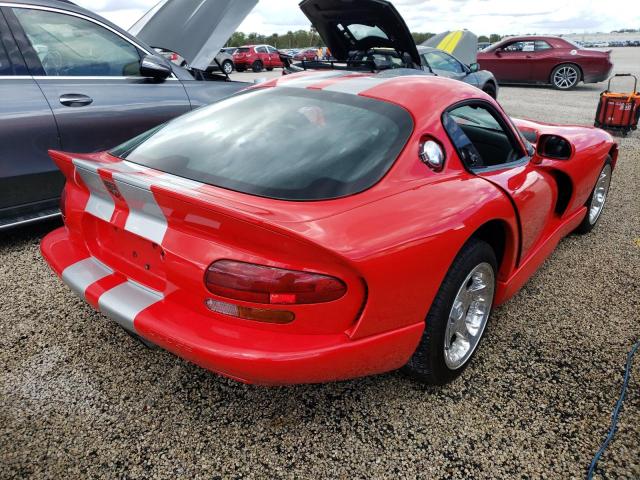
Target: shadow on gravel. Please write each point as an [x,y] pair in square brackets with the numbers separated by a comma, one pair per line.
[28,232]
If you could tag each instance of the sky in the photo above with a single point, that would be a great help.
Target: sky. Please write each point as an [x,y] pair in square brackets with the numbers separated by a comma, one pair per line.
[482,17]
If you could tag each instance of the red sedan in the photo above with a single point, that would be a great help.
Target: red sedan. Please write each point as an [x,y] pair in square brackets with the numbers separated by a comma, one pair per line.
[369,222]
[546,60]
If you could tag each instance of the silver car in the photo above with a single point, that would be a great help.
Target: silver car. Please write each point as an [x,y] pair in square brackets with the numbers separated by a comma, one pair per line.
[71,80]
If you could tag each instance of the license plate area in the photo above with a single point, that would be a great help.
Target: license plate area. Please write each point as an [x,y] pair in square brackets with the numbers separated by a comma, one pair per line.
[135,257]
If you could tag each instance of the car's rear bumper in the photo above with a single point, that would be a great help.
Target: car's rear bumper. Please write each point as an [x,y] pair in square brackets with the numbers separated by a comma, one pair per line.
[230,347]
[597,76]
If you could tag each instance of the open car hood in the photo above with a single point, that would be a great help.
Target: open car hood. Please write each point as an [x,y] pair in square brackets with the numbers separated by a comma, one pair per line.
[194,29]
[462,44]
[349,25]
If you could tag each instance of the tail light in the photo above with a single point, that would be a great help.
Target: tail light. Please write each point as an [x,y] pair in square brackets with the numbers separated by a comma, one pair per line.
[261,284]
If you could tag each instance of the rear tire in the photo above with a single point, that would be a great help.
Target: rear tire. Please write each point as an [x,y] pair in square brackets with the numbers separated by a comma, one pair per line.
[490,89]
[597,200]
[257,66]
[565,76]
[462,307]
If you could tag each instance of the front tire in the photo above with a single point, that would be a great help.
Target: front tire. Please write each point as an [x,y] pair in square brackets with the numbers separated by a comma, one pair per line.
[490,89]
[597,199]
[257,66]
[227,67]
[457,317]
[565,76]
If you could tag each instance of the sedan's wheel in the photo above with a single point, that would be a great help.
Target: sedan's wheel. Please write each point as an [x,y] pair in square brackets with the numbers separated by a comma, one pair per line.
[596,201]
[490,89]
[227,67]
[257,66]
[458,316]
[565,77]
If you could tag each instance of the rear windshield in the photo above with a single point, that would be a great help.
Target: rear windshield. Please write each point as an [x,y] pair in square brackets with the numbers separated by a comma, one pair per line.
[283,143]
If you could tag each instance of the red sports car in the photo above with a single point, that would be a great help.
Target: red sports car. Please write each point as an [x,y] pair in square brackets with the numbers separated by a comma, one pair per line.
[547,60]
[369,222]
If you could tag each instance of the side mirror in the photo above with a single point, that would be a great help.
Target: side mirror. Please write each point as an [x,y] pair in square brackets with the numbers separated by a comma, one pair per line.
[498,52]
[474,67]
[154,67]
[554,147]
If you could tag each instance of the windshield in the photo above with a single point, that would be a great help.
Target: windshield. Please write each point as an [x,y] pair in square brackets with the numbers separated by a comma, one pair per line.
[306,145]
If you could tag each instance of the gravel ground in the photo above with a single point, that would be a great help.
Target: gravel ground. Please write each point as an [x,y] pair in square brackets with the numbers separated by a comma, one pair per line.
[79,398]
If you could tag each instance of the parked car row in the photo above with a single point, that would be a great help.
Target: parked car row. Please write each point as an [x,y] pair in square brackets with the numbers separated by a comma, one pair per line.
[608,44]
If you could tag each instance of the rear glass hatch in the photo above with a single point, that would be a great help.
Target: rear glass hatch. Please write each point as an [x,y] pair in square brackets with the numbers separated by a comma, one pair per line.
[281,143]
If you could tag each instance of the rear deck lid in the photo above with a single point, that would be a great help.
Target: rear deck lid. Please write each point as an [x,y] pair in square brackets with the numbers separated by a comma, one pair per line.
[195,29]
[360,25]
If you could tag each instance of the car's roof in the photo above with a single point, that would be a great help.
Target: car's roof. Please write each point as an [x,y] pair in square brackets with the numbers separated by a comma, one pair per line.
[418,92]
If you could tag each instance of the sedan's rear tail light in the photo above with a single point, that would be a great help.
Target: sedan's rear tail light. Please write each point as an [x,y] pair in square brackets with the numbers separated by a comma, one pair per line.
[261,284]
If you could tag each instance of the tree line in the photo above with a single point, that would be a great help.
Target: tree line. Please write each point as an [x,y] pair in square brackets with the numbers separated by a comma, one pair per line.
[310,38]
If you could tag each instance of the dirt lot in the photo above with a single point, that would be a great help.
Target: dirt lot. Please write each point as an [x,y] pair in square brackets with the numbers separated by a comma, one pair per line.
[79,398]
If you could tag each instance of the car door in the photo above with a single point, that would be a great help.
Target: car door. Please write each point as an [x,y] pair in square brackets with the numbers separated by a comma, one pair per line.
[263,55]
[511,62]
[489,147]
[29,180]
[274,58]
[541,61]
[90,75]
[444,65]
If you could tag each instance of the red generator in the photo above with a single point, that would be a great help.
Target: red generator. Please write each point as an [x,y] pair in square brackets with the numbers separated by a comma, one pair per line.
[619,112]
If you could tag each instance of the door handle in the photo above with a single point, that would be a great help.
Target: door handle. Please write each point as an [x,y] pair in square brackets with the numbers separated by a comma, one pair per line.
[75,100]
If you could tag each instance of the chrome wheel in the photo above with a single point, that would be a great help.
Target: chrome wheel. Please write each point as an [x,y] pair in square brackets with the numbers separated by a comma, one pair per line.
[599,196]
[565,77]
[227,67]
[469,315]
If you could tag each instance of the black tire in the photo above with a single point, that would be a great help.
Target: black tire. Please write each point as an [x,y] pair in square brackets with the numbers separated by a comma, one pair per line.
[589,223]
[428,361]
[490,89]
[566,76]
[269,69]
[240,69]
[257,66]
[227,67]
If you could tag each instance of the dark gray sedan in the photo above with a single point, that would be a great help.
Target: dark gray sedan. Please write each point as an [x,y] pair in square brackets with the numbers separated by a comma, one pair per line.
[71,80]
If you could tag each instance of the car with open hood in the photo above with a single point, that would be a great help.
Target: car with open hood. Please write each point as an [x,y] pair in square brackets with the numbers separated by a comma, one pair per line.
[71,79]
[370,221]
[372,35]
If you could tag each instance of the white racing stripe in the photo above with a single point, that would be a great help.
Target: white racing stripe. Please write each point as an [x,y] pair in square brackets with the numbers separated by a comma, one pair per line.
[100,202]
[356,85]
[124,302]
[145,218]
[83,273]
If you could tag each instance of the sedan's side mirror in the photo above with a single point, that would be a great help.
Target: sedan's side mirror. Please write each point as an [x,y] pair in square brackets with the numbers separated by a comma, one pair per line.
[474,67]
[154,67]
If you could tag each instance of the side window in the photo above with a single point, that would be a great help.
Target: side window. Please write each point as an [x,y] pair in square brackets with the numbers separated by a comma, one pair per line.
[261,49]
[481,139]
[541,45]
[442,61]
[520,47]
[272,50]
[72,46]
